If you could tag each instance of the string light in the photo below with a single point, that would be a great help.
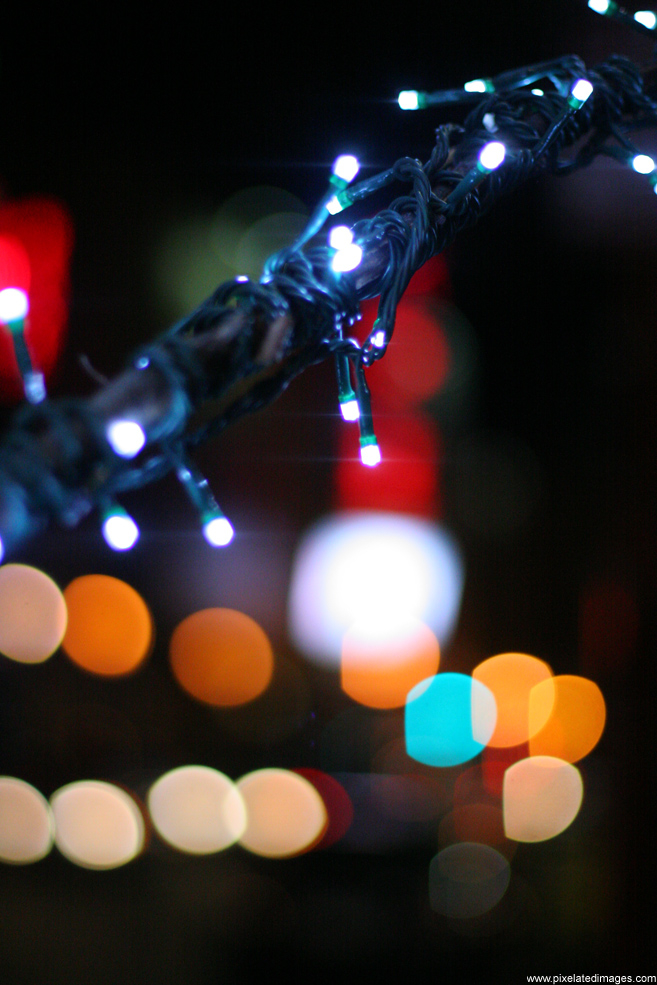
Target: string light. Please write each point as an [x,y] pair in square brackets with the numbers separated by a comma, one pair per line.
[14,307]
[120,531]
[370,453]
[644,21]
[344,170]
[348,254]
[127,438]
[217,529]
[491,157]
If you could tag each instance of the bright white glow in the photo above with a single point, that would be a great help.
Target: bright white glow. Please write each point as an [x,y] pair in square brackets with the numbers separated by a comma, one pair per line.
[489,122]
[218,532]
[370,455]
[350,410]
[126,438]
[643,164]
[346,167]
[379,339]
[646,17]
[491,155]
[408,99]
[347,258]
[340,237]
[13,304]
[97,825]
[333,206]
[581,90]
[381,567]
[537,92]
[120,531]
[27,826]
[197,809]
[242,279]
[476,85]
[599,6]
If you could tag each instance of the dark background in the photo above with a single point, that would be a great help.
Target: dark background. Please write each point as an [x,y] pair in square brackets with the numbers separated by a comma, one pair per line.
[137,119]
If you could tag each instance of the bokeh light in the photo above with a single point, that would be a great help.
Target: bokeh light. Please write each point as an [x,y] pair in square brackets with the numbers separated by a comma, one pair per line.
[197,809]
[511,677]
[449,719]
[32,614]
[286,814]
[337,802]
[476,822]
[26,822]
[467,880]
[374,566]
[542,797]
[380,664]
[570,713]
[97,825]
[110,628]
[221,657]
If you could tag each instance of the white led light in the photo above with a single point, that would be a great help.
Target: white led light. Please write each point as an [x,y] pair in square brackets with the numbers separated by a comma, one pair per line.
[340,237]
[333,206]
[537,92]
[646,17]
[218,531]
[347,259]
[346,167]
[370,455]
[643,164]
[408,99]
[599,6]
[13,304]
[581,90]
[379,339]
[120,531]
[492,155]
[350,410]
[126,438]
[476,85]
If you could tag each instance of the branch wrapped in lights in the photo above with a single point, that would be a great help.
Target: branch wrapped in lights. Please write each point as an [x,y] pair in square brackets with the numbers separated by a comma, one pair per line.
[242,347]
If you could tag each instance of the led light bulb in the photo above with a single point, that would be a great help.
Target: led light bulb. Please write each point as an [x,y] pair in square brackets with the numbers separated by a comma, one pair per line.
[119,529]
[340,237]
[409,99]
[334,205]
[479,85]
[379,339]
[600,6]
[14,305]
[217,530]
[347,258]
[349,409]
[491,155]
[345,169]
[370,453]
[646,17]
[579,93]
[127,438]
[643,164]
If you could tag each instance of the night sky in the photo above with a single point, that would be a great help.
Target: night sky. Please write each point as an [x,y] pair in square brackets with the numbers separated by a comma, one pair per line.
[140,124]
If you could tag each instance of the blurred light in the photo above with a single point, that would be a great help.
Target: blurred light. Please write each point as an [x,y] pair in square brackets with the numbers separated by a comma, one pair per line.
[646,17]
[449,719]
[32,614]
[340,237]
[379,339]
[127,438]
[120,531]
[26,822]
[286,814]
[492,155]
[542,797]
[643,164]
[570,712]
[374,566]
[599,6]
[218,531]
[408,99]
[580,92]
[348,258]
[370,454]
[467,880]
[482,823]
[350,410]
[382,662]
[221,657]
[197,809]
[13,304]
[537,92]
[337,802]
[97,825]
[511,677]
[334,205]
[478,85]
[346,167]
[110,629]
